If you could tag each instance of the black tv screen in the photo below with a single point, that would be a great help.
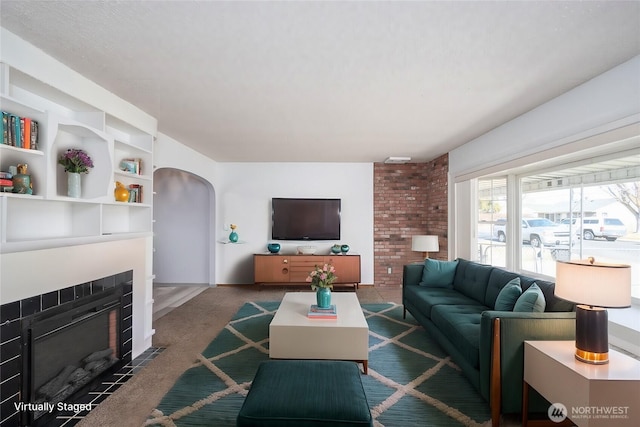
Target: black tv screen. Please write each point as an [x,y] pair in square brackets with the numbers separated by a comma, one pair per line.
[305,219]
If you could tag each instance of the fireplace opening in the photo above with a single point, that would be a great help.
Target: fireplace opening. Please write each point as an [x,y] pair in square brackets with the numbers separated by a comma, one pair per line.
[68,348]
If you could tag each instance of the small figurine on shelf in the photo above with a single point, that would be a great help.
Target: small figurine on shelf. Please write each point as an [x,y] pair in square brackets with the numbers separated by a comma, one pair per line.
[22,181]
[121,193]
[233,237]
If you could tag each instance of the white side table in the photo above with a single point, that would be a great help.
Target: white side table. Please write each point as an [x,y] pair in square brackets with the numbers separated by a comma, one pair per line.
[594,395]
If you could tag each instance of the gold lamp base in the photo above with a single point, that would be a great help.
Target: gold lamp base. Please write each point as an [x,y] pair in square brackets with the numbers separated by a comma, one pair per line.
[592,357]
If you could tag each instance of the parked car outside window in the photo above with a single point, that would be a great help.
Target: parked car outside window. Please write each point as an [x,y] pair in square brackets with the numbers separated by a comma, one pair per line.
[591,228]
[606,228]
[536,231]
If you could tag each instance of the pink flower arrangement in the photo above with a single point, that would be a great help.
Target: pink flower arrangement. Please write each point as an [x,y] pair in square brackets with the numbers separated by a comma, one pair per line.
[322,277]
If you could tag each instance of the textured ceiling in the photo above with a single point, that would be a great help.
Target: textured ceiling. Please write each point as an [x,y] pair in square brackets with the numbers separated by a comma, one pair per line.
[331,81]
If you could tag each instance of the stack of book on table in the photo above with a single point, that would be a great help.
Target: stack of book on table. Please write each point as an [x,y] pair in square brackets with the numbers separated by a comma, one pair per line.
[316,312]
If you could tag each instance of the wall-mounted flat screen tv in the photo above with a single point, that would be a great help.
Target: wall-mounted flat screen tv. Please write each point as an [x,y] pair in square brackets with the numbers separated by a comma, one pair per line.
[305,219]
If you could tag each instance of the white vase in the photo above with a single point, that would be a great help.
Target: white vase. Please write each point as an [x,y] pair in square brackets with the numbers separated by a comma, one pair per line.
[74,185]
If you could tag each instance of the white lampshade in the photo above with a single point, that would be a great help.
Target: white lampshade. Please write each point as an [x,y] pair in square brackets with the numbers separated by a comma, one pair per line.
[592,283]
[425,244]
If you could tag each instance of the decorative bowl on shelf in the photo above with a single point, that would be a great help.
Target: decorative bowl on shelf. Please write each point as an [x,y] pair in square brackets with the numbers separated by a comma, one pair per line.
[307,250]
[336,249]
[274,248]
[344,248]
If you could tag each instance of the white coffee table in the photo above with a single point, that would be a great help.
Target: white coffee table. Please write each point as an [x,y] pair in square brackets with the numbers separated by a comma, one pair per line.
[292,335]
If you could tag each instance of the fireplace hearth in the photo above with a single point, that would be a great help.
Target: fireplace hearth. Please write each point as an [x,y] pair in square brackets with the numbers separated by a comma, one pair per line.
[66,342]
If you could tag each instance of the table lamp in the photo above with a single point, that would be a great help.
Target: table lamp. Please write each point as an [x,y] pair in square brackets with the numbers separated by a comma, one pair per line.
[425,244]
[593,287]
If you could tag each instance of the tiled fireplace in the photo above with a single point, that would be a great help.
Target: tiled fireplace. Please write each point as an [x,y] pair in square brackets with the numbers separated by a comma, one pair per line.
[55,347]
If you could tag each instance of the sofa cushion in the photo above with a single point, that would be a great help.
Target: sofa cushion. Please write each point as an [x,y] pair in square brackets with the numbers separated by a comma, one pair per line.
[508,296]
[424,298]
[438,274]
[461,324]
[531,300]
[554,304]
[497,280]
[471,279]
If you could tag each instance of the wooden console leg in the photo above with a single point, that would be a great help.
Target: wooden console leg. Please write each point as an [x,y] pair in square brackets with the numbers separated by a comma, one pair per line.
[525,404]
[495,393]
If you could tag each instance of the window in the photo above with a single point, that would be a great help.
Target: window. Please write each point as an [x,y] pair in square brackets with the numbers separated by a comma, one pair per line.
[492,220]
[575,211]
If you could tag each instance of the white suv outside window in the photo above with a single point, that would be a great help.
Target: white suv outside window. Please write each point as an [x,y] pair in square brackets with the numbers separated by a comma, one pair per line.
[537,231]
[606,228]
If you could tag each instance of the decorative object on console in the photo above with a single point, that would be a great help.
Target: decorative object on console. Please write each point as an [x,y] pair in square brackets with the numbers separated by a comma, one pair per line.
[317,312]
[344,249]
[594,287]
[121,193]
[21,181]
[307,250]
[274,248]
[336,249]
[75,162]
[321,279]
[425,244]
[233,236]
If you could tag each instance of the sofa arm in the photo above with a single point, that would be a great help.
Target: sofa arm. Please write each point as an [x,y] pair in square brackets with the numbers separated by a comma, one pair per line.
[502,336]
[412,274]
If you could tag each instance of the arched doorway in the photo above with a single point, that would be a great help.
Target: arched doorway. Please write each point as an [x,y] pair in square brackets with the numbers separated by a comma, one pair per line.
[183,258]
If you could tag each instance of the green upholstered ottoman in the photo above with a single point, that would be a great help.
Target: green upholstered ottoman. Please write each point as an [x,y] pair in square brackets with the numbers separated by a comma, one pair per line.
[306,393]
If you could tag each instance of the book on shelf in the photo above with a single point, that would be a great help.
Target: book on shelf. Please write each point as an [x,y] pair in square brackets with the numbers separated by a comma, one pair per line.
[25,128]
[21,132]
[135,193]
[316,312]
[132,166]
[4,128]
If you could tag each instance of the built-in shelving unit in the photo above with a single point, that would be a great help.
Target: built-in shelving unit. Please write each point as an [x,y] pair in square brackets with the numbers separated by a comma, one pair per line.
[48,218]
[49,241]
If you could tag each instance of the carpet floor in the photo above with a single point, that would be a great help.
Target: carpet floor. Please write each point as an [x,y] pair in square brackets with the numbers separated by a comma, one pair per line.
[411,379]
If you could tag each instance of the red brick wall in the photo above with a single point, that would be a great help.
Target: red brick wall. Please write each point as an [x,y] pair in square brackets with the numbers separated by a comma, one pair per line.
[409,199]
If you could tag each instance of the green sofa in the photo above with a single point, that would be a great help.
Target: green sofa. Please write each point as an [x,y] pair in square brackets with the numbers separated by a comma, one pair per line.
[488,345]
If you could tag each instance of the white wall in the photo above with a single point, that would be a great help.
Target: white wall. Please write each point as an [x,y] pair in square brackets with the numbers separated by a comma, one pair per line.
[609,101]
[243,193]
[169,153]
[244,198]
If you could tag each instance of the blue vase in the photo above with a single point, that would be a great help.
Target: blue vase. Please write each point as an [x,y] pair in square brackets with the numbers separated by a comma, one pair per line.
[274,248]
[344,248]
[335,249]
[323,297]
[233,237]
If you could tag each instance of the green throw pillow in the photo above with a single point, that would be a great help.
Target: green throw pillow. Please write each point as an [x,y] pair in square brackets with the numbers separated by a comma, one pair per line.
[508,295]
[438,274]
[531,300]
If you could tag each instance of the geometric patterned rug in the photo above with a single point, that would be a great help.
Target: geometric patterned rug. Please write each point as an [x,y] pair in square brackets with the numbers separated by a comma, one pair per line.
[411,380]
